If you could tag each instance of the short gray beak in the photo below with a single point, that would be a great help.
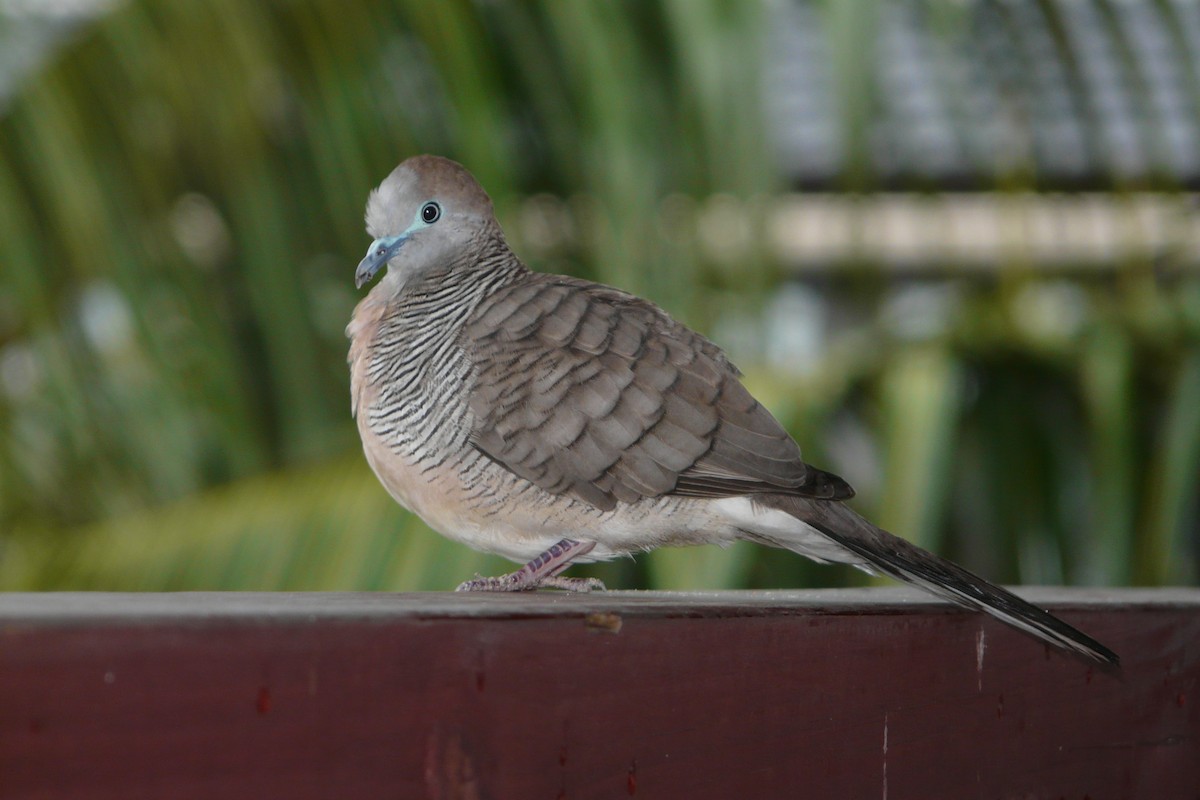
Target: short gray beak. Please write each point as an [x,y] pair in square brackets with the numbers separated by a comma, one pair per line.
[378,254]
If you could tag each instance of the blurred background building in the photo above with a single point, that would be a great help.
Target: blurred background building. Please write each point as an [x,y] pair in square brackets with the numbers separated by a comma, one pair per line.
[954,244]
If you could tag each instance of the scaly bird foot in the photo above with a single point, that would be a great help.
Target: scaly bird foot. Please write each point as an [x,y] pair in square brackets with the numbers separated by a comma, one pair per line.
[583,585]
[519,581]
[540,572]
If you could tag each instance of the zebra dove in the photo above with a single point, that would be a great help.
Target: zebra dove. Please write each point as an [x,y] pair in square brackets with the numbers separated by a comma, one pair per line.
[552,420]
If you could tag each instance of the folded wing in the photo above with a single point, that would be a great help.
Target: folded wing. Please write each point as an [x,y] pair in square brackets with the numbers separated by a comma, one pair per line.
[588,391]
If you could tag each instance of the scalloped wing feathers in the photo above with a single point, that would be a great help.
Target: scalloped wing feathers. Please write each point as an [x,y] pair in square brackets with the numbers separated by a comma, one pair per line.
[589,391]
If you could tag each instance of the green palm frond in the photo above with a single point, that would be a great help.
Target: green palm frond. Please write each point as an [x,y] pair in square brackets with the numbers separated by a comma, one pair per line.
[317,528]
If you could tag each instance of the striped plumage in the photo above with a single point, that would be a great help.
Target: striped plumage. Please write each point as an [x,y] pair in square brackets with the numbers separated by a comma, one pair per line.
[553,420]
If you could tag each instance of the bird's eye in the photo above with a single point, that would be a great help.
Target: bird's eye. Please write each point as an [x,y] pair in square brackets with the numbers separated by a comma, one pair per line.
[431,212]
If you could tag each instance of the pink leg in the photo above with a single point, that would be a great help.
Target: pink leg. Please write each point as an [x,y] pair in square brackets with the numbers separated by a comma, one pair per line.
[541,572]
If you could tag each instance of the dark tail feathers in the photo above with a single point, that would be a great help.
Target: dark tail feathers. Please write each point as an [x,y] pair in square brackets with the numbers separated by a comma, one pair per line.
[904,561]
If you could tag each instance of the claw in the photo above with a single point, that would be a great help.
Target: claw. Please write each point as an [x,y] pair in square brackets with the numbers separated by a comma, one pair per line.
[512,583]
[541,572]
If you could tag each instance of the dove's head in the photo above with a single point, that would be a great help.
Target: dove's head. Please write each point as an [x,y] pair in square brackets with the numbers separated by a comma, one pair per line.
[427,213]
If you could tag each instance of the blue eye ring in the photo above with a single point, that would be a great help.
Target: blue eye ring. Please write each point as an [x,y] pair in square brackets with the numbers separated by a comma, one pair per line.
[431,212]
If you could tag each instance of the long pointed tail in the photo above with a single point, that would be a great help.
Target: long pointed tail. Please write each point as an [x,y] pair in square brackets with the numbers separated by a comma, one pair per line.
[904,561]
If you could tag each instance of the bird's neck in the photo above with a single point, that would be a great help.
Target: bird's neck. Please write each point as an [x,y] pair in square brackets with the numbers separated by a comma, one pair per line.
[477,271]
[457,286]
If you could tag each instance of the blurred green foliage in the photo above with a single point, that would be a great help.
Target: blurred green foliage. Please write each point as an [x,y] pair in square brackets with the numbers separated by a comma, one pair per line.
[181,196]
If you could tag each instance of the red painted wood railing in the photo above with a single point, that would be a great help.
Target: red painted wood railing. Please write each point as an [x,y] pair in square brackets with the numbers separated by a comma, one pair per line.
[830,694]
